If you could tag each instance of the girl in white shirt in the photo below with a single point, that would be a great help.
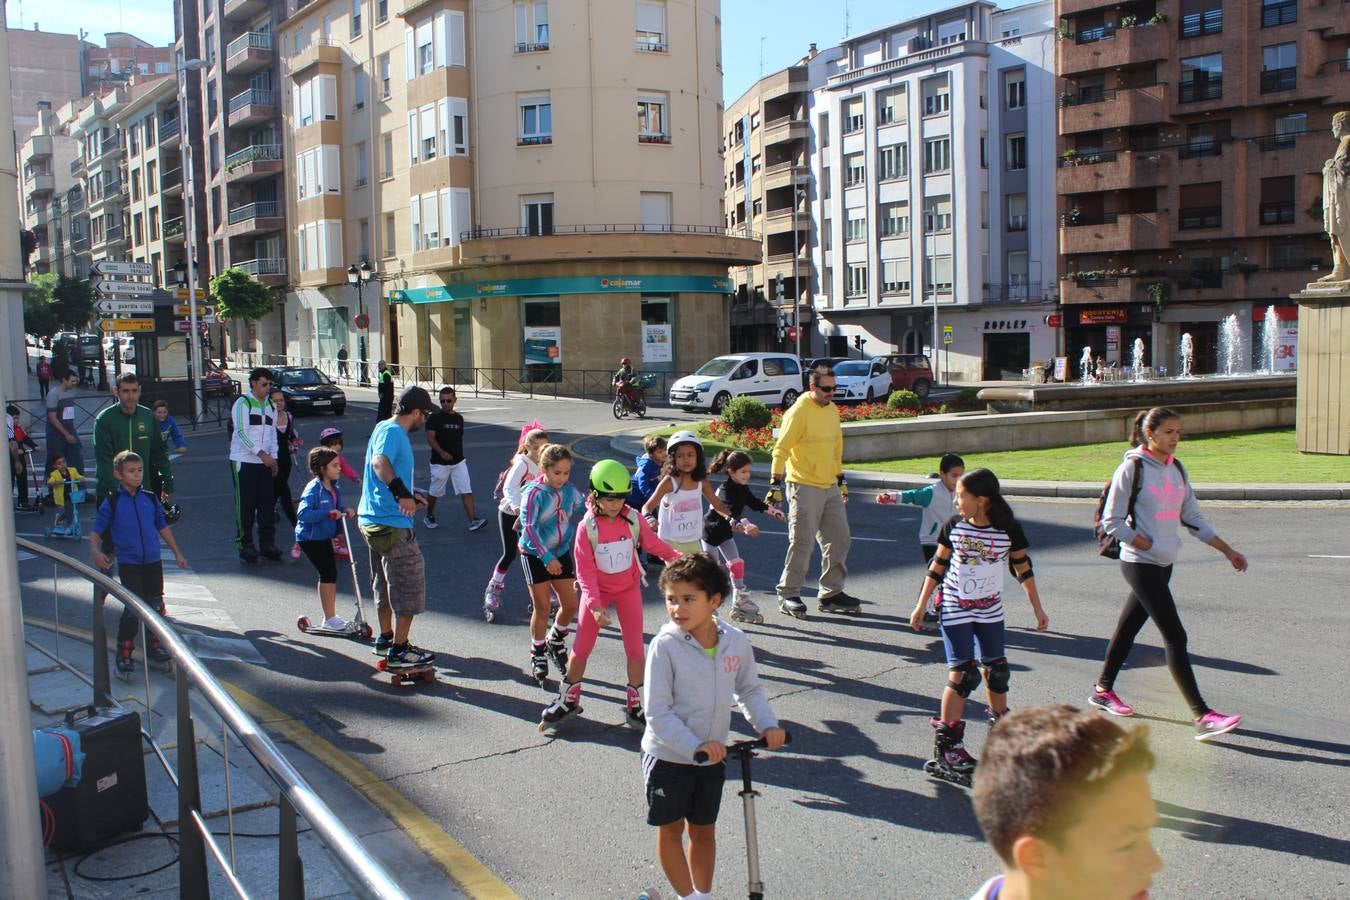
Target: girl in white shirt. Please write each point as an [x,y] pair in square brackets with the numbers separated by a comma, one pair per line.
[524,468]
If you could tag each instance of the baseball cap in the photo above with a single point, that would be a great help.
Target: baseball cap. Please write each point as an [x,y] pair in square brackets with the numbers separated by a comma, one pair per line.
[414,398]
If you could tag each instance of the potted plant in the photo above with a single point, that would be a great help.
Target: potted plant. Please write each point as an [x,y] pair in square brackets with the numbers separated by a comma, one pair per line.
[1157,19]
[1128,21]
[1157,295]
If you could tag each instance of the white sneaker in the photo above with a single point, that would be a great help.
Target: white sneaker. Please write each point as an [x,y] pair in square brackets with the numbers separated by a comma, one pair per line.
[475,524]
[337,623]
[430,522]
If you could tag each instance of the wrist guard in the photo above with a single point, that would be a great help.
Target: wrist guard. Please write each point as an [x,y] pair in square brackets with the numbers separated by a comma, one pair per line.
[399,489]
[774,496]
[843,488]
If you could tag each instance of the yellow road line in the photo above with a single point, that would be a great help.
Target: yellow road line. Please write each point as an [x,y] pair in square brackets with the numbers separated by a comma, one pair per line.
[472,877]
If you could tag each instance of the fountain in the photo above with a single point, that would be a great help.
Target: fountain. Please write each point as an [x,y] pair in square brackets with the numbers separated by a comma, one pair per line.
[1231,360]
[1187,356]
[1270,339]
[1137,359]
[1085,363]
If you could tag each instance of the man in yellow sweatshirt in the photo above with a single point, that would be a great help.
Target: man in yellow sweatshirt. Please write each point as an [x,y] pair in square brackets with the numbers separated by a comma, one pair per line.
[810,450]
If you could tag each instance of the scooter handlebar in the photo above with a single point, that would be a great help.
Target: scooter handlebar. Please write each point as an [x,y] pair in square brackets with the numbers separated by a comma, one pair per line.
[758,743]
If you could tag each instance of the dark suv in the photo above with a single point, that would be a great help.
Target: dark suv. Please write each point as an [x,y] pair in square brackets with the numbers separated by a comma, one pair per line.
[910,372]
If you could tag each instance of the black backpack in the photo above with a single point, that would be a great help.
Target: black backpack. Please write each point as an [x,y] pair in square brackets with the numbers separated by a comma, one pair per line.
[1107,544]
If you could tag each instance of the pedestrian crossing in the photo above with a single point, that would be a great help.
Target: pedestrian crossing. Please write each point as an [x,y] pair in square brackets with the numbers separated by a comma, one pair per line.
[204,625]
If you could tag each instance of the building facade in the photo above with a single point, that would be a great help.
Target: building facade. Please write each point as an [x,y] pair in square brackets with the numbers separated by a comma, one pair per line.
[932,145]
[484,160]
[1193,134]
[45,178]
[44,67]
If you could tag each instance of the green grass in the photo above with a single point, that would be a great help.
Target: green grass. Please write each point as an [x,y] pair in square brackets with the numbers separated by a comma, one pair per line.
[1247,457]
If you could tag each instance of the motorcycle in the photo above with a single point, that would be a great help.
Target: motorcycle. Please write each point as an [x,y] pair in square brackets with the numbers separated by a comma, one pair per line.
[630,398]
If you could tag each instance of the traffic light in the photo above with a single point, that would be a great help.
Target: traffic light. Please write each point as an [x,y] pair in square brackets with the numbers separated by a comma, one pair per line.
[778,287]
[858,341]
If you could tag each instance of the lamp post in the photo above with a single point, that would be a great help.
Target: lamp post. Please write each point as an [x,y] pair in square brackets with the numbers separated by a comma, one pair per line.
[798,194]
[358,276]
[189,230]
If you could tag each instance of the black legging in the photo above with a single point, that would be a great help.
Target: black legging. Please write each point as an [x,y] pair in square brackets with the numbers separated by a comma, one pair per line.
[281,485]
[1150,598]
[510,548]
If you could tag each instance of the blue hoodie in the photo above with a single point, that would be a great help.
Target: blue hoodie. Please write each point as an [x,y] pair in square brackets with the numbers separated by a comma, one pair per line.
[312,522]
[645,480]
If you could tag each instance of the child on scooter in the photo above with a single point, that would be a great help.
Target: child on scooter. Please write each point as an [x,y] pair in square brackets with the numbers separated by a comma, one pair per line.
[64,482]
[332,439]
[937,500]
[688,704]
[317,525]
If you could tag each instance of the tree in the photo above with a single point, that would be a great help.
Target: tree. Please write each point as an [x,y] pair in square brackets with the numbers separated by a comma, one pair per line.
[239,298]
[39,309]
[74,300]
[28,243]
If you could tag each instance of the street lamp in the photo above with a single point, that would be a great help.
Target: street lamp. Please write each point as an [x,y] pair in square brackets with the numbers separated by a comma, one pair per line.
[189,229]
[358,276]
[798,194]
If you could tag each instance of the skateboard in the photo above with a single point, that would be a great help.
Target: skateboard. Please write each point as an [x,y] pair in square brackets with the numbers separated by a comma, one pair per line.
[424,673]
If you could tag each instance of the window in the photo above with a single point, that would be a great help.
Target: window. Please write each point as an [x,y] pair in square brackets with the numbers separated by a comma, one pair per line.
[362,165]
[363,238]
[717,46]
[1279,68]
[651,25]
[455,112]
[1015,89]
[854,117]
[1278,12]
[937,214]
[939,274]
[895,276]
[434,44]
[1011,30]
[1201,78]
[212,101]
[984,150]
[893,162]
[213,155]
[1203,139]
[1201,17]
[382,67]
[652,125]
[855,226]
[891,106]
[425,58]
[536,120]
[951,32]
[315,100]
[855,169]
[531,25]
[1017,152]
[827,234]
[356,17]
[1018,278]
[937,155]
[439,218]
[209,40]
[317,172]
[1017,212]
[387,155]
[823,132]
[135,184]
[937,98]
[1287,130]
[381,11]
[1277,200]
[390,235]
[1201,206]
[320,245]
[138,229]
[360,87]
[426,131]
[894,219]
[536,214]
[654,208]
[1285,257]
[856,285]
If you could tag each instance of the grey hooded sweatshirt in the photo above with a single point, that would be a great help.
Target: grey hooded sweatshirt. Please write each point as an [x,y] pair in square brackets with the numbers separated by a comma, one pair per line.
[1164,500]
[687,695]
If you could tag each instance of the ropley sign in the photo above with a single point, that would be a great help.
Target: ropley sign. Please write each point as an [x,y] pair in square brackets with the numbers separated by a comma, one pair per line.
[1006,324]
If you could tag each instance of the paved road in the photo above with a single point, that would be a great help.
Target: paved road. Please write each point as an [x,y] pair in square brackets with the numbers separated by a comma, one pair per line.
[847,811]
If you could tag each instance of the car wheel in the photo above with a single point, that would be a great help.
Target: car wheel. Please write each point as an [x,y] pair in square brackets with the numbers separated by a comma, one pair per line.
[871,395]
[720,402]
[339,410]
[789,397]
[921,388]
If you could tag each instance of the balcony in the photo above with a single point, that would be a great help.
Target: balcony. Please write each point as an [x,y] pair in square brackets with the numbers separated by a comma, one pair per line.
[252,107]
[114,234]
[244,9]
[1110,48]
[1110,170]
[251,51]
[253,162]
[37,146]
[320,51]
[1291,153]
[168,132]
[651,43]
[113,192]
[171,182]
[1199,91]
[173,230]
[783,129]
[730,247]
[1074,7]
[1199,217]
[1334,68]
[1275,80]
[1114,233]
[785,174]
[76,166]
[1101,110]
[267,270]
[255,218]
[42,183]
[79,242]
[1100,290]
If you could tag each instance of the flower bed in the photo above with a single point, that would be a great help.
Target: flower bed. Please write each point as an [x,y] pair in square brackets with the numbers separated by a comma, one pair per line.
[762,439]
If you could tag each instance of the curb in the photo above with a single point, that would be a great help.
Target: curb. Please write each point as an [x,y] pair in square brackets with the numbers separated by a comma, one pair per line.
[624,445]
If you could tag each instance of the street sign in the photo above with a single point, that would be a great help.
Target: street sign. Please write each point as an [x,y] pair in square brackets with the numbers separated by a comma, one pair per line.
[362,321]
[946,334]
[109,267]
[182,294]
[184,327]
[112,307]
[127,325]
[202,310]
[201,320]
[105,288]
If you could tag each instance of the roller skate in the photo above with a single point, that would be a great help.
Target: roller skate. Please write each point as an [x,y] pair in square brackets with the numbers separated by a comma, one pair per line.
[567,705]
[492,600]
[633,716]
[556,647]
[995,716]
[539,664]
[839,603]
[126,666]
[743,609]
[792,606]
[158,658]
[950,762]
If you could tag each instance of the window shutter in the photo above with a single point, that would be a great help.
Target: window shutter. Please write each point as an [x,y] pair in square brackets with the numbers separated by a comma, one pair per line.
[328,96]
[413,143]
[415,208]
[333,243]
[300,248]
[441,37]
[313,185]
[462,216]
[651,17]
[430,222]
[455,37]
[428,125]
[313,245]
[449,227]
[443,129]
[522,23]
[409,58]
[459,126]
[332,170]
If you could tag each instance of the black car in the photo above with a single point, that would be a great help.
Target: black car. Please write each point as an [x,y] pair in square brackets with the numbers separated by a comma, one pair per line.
[309,390]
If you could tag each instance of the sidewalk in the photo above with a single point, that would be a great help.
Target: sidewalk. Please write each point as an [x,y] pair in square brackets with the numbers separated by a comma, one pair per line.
[129,868]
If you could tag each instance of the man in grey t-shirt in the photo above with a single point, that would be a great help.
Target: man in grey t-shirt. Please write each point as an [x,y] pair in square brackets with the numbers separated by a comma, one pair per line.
[63,438]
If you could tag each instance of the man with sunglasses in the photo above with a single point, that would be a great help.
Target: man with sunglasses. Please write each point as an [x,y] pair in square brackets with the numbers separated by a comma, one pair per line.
[810,450]
[445,434]
[253,458]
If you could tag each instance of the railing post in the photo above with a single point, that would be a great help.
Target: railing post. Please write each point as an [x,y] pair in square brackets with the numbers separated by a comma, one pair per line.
[102,685]
[192,880]
[290,870]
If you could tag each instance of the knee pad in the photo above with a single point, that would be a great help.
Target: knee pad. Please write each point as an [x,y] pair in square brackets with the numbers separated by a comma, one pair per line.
[999,675]
[737,569]
[965,678]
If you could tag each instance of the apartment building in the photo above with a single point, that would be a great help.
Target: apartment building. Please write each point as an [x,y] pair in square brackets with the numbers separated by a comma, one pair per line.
[44,178]
[484,161]
[100,168]
[43,67]
[932,146]
[1193,134]
[68,225]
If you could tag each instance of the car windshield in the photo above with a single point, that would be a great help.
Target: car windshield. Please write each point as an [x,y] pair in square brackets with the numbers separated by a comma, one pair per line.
[851,368]
[722,365]
[302,378]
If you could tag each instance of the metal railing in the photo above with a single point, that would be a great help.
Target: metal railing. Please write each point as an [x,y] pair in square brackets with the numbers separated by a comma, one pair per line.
[479,234]
[268,266]
[252,153]
[251,97]
[249,40]
[1273,80]
[173,227]
[1071,159]
[1277,213]
[1200,217]
[262,209]
[168,130]
[171,179]
[1195,91]
[195,836]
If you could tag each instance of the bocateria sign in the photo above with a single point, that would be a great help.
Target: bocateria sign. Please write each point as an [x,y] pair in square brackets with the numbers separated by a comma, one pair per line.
[1114,315]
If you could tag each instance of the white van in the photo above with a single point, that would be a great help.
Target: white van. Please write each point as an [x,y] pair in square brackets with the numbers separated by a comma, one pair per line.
[774,379]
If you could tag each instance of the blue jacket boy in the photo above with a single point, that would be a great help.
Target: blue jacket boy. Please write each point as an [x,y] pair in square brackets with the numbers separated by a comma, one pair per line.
[135,526]
[645,480]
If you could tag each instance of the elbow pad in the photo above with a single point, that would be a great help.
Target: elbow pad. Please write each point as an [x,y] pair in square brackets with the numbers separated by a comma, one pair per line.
[1026,576]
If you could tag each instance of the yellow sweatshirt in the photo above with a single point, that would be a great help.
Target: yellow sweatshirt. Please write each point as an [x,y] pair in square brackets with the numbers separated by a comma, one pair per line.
[58,483]
[810,444]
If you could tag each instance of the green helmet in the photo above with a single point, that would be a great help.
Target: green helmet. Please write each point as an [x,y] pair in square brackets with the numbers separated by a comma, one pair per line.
[609,476]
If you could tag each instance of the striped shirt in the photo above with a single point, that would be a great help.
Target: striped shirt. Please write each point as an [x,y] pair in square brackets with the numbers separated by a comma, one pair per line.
[972,589]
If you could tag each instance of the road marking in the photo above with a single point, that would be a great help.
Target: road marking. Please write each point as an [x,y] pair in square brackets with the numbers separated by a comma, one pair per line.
[855,538]
[1321,556]
[471,875]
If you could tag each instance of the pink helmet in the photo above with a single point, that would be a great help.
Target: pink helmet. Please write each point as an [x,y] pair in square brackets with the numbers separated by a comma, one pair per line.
[330,433]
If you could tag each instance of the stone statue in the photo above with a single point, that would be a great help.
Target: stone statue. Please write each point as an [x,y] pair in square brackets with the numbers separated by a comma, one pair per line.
[1336,199]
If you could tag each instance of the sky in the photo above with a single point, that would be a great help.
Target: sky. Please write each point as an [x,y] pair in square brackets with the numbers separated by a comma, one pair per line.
[775,33]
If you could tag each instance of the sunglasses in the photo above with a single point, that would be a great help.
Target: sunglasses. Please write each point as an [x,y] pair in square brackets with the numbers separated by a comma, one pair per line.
[447,400]
[825,388]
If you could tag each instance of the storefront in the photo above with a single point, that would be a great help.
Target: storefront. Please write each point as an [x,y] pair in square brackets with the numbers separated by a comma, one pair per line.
[1111,332]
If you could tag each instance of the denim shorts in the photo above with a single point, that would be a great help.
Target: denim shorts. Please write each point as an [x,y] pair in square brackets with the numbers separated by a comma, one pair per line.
[959,641]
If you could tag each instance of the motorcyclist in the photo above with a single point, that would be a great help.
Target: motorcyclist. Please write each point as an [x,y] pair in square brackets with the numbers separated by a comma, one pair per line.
[625,382]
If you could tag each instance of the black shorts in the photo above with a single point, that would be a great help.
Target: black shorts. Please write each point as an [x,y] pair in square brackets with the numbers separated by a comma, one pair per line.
[676,791]
[536,573]
[321,554]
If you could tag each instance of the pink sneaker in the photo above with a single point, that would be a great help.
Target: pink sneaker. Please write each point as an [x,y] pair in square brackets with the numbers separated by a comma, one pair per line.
[1213,724]
[295,552]
[1108,701]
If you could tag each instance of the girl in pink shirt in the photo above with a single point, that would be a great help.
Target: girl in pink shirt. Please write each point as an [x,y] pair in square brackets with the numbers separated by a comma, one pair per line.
[609,567]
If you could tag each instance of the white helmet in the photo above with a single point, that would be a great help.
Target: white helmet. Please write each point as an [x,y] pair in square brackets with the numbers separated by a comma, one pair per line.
[684,437]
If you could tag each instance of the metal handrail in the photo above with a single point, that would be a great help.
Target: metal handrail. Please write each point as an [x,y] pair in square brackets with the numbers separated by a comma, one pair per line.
[261,209]
[249,40]
[296,796]
[252,97]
